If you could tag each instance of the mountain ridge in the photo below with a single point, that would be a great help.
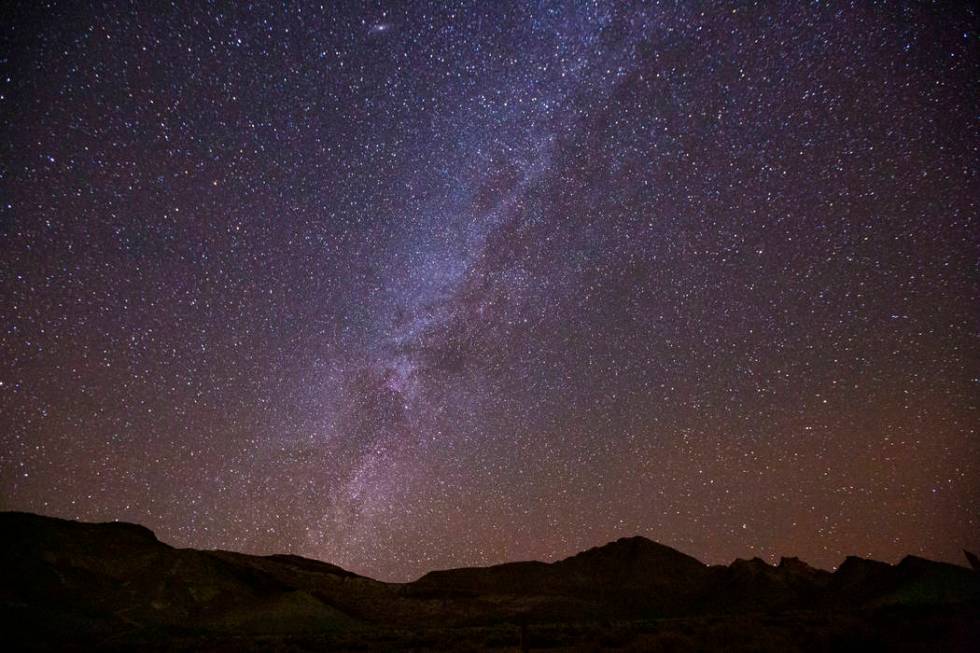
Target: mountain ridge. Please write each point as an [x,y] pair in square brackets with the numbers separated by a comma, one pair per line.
[117,581]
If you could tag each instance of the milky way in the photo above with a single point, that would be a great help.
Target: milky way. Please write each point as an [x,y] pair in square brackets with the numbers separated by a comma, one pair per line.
[410,286]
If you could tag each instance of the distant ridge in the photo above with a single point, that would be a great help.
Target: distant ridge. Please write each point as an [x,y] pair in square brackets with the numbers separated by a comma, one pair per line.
[66,581]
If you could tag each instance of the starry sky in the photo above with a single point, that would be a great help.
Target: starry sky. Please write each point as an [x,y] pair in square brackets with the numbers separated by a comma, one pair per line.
[406,286]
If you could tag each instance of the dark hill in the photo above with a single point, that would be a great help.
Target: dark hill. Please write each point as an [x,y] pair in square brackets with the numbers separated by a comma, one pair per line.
[70,585]
[109,579]
[629,577]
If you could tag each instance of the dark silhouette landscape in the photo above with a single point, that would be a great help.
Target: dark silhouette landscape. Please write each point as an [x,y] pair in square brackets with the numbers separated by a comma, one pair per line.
[113,586]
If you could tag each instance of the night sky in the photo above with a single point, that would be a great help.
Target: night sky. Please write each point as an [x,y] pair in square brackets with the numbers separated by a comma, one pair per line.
[406,286]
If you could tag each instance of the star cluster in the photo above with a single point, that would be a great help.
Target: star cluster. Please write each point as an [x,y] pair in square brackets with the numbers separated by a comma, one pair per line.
[404,286]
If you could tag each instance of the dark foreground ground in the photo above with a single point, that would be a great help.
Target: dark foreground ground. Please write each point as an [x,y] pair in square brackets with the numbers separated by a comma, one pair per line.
[112,587]
[890,631]
[877,630]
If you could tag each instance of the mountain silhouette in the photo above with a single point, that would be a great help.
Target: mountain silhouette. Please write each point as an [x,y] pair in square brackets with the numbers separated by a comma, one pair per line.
[72,585]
